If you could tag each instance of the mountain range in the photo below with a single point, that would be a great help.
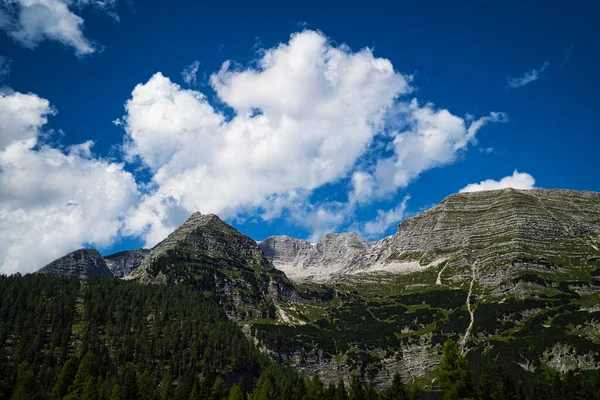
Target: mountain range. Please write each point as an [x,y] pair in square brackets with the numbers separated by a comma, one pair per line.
[512,275]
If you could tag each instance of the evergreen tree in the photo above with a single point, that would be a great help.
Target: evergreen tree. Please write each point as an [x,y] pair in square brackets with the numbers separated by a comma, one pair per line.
[455,378]
[315,389]
[90,389]
[397,391]
[84,373]
[264,390]
[26,387]
[64,380]
[236,393]
[356,390]
[218,390]
[340,391]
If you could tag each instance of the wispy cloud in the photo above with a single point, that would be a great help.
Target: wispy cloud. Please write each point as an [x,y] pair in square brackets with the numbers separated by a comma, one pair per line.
[528,77]
[190,72]
[568,54]
[4,67]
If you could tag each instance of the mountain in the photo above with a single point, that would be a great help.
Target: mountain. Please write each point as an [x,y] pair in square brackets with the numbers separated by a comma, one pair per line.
[512,275]
[333,255]
[516,230]
[124,262]
[213,256]
[83,263]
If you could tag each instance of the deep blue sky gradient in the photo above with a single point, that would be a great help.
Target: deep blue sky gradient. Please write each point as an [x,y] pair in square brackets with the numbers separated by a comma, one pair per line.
[461,53]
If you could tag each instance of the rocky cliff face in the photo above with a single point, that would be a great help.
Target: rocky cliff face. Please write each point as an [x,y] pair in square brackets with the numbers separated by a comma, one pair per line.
[84,263]
[511,274]
[215,257]
[502,232]
[123,263]
[335,254]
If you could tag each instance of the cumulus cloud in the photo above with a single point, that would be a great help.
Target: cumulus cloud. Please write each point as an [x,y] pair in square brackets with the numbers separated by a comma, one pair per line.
[518,180]
[190,72]
[302,118]
[528,77]
[32,21]
[432,138]
[52,201]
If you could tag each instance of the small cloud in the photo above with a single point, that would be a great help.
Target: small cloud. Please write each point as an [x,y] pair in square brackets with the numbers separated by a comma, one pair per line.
[568,54]
[4,67]
[486,150]
[518,180]
[384,219]
[189,73]
[527,77]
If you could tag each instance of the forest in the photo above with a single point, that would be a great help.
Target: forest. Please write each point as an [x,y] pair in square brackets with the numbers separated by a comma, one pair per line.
[113,339]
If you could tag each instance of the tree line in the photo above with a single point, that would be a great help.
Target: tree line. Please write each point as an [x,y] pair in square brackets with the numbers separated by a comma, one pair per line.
[109,339]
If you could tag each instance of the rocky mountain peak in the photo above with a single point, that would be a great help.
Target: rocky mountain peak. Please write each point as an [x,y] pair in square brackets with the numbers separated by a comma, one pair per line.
[123,263]
[83,263]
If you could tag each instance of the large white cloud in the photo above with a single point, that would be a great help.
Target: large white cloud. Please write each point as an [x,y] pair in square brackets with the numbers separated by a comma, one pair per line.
[31,21]
[302,118]
[52,201]
[518,180]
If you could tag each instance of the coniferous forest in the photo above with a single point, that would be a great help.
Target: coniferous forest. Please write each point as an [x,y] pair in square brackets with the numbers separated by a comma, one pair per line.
[113,339]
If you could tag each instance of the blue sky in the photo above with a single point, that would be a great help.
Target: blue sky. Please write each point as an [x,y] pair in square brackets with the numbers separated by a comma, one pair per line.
[328,117]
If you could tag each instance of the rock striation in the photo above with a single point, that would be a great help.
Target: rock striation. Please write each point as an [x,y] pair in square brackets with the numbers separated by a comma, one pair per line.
[123,263]
[503,232]
[83,263]
[334,254]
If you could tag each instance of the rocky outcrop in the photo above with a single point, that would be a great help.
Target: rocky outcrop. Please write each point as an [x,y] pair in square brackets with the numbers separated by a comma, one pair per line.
[123,263]
[213,256]
[83,263]
[499,230]
[333,255]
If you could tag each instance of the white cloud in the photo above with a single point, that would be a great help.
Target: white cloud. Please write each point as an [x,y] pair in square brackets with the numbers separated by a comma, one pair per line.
[433,138]
[518,180]
[21,116]
[32,21]
[4,67]
[527,77]
[385,219]
[52,201]
[303,117]
[190,72]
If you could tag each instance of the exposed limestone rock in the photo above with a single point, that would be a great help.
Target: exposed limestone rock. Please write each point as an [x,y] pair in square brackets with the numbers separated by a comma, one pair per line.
[124,262]
[84,263]
[505,231]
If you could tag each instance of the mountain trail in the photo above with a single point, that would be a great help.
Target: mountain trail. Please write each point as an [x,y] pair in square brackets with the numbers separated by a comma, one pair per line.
[464,340]
[438,281]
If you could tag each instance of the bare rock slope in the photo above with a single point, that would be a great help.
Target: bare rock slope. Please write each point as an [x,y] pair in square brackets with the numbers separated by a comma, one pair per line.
[83,263]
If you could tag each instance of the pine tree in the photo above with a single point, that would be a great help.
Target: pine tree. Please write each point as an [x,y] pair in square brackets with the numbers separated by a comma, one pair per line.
[340,391]
[218,390]
[236,393]
[84,372]
[356,390]
[64,380]
[26,387]
[397,391]
[455,378]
